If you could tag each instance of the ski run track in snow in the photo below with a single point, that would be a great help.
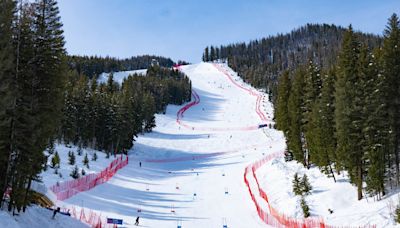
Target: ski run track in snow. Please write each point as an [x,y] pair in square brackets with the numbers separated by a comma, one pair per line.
[201,166]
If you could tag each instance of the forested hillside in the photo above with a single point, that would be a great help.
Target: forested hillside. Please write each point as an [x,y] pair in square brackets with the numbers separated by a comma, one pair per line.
[346,116]
[92,66]
[260,62]
[107,116]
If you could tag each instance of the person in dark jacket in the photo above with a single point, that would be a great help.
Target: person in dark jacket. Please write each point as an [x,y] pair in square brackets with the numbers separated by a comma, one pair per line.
[137,221]
[55,212]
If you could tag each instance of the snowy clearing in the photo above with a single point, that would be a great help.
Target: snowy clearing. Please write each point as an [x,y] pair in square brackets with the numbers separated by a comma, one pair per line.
[38,217]
[120,76]
[192,167]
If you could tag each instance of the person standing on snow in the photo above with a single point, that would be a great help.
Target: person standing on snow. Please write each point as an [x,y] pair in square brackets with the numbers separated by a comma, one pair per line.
[137,221]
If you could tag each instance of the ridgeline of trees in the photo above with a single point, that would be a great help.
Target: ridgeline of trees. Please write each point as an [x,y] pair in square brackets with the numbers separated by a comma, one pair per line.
[46,96]
[92,66]
[108,116]
[260,62]
[346,115]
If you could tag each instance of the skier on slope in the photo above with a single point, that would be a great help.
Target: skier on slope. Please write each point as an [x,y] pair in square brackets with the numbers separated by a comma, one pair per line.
[137,221]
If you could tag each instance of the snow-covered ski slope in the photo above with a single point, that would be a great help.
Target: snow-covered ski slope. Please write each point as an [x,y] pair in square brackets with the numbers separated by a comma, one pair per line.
[192,171]
[194,161]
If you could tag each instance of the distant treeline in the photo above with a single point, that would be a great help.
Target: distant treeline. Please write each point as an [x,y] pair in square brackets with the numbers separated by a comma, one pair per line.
[92,66]
[260,62]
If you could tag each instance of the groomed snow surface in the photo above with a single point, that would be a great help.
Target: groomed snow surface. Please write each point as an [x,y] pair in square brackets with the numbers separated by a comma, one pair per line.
[192,173]
[38,217]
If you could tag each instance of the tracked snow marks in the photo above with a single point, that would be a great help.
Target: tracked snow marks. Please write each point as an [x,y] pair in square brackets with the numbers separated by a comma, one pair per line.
[190,175]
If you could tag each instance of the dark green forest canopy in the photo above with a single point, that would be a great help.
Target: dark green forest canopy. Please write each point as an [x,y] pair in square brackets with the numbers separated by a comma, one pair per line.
[347,117]
[260,62]
[95,65]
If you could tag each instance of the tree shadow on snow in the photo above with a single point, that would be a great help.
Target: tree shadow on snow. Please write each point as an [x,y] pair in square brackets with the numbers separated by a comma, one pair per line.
[110,197]
[209,107]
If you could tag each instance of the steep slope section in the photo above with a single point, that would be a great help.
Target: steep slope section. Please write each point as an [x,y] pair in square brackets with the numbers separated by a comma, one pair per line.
[193,175]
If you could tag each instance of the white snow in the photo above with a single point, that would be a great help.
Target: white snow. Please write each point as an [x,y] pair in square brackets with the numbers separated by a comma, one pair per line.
[192,173]
[49,178]
[120,76]
[38,217]
[341,197]
[194,189]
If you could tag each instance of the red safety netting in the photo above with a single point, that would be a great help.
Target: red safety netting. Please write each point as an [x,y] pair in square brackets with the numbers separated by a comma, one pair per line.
[179,114]
[272,216]
[250,91]
[89,217]
[70,188]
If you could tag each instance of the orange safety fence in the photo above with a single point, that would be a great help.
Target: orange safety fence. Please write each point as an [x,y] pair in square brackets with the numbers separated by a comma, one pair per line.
[273,216]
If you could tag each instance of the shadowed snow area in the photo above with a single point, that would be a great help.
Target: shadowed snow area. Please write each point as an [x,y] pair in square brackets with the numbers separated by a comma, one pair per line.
[205,186]
[193,165]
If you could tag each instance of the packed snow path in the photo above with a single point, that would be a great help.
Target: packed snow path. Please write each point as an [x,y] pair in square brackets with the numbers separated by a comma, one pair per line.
[192,172]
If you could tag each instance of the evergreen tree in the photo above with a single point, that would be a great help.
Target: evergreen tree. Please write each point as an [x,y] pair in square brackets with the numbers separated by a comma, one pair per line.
[375,127]
[25,133]
[111,85]
[148,111]
[75,173]
[51,148]
[391,66]
[312,91]
[217,53]
[94,158]
[86,161]
[348,108]
[7,88]
[50,65]
[305,185]
[55,161]
[212,53]
[295,105]
[71,158]
[281,111]
[39,79]
[322,141]
[305,207]
[296,185]
[69,120]
[206,55]
[79,150]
